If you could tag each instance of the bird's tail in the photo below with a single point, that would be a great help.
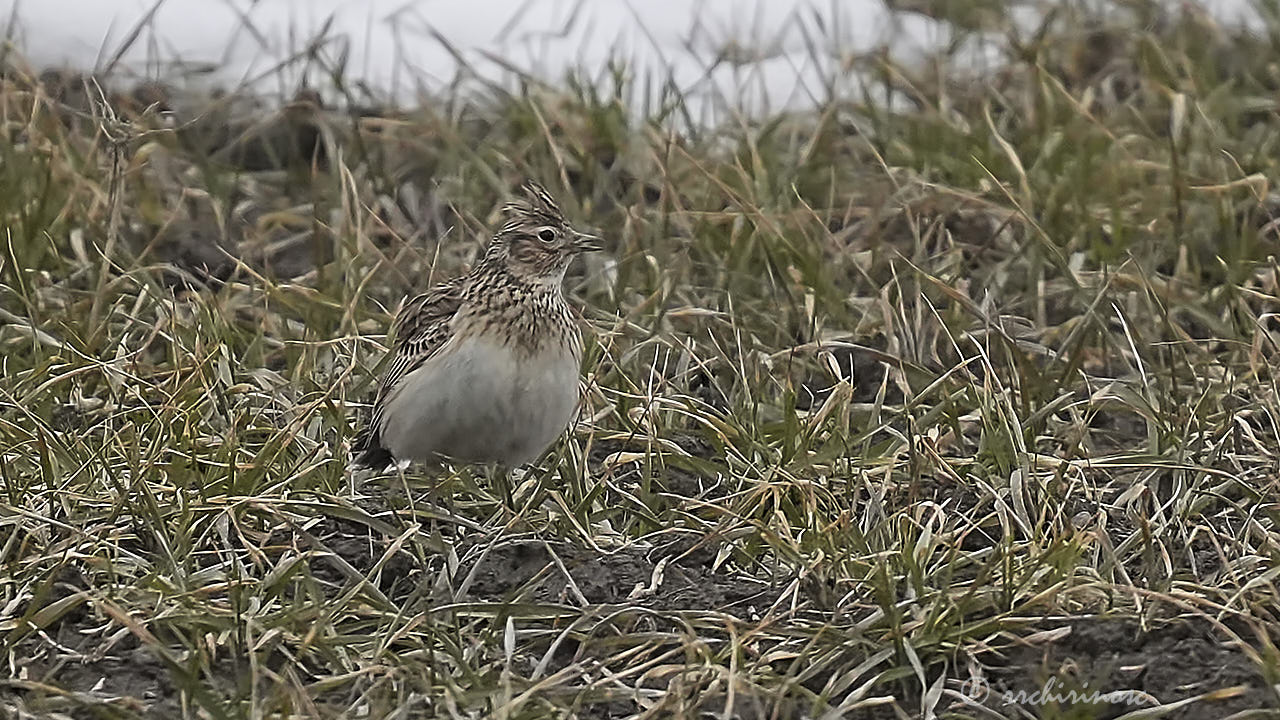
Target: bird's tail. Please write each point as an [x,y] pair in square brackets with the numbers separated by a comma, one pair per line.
[367,451]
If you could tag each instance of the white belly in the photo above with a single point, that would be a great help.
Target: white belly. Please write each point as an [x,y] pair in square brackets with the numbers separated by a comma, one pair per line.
[481,402]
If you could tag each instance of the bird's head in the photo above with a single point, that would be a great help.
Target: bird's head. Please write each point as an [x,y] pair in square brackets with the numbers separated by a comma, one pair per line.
[535,242]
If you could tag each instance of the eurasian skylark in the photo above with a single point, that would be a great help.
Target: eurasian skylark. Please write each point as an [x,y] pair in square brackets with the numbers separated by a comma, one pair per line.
[485,367]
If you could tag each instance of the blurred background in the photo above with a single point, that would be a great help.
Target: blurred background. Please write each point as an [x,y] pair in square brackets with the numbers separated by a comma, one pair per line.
[748,54]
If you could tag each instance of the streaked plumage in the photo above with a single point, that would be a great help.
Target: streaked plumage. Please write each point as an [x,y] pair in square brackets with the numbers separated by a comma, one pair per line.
[485,365]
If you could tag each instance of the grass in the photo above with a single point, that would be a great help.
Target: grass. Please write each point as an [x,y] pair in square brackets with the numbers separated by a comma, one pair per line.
[884,404]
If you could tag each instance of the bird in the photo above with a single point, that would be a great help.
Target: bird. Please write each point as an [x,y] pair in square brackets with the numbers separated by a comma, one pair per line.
[485,366]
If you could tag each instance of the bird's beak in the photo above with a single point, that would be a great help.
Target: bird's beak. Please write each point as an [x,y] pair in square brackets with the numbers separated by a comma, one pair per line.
[583,242]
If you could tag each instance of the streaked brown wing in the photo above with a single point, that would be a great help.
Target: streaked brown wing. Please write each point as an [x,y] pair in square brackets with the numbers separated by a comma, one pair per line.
[414,321]
[420,329]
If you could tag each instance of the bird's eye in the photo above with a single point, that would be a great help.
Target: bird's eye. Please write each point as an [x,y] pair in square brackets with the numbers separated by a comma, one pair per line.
[546,235]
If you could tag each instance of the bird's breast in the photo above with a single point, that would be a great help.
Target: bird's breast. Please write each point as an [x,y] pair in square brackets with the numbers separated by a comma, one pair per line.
[483,399]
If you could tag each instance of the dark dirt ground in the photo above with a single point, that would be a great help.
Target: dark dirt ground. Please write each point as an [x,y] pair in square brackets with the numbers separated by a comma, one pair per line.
[1172,659]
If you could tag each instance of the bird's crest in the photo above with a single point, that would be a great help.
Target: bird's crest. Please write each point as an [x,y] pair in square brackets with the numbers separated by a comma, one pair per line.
[538,208]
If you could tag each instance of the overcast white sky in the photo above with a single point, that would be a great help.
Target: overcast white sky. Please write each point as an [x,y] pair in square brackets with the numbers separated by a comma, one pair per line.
[535,35]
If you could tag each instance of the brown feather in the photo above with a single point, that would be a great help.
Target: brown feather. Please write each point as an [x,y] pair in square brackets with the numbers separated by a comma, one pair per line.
[506,288]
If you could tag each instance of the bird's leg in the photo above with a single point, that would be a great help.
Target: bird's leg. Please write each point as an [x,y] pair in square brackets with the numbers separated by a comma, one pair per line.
[500,478]
[442,475]
[433,500]
[399,470]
